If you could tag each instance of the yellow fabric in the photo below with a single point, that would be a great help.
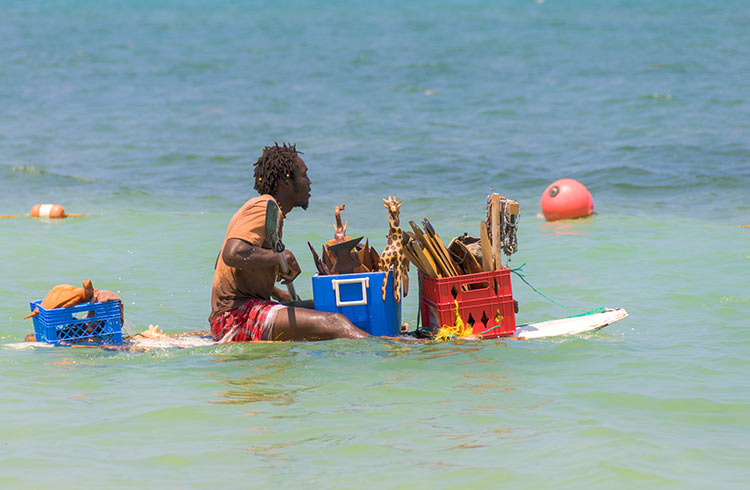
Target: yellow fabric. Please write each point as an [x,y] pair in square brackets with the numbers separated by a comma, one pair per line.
[458,329]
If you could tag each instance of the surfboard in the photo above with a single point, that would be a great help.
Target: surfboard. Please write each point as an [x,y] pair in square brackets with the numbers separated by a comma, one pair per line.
[570,326]
[528,331]
[137,343]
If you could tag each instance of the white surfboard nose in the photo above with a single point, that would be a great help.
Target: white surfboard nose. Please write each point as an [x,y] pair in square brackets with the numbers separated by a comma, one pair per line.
[570,326]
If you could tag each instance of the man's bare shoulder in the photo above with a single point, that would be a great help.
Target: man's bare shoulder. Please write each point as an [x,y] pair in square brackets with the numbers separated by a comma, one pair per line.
[253,207]
[257,201]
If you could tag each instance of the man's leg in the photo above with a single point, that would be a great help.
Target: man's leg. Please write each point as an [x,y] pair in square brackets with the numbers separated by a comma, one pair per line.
[303,324]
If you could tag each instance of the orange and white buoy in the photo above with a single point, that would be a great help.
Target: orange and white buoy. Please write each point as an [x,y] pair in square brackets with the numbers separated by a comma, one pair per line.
[47,211]
[566,198]
[54,211]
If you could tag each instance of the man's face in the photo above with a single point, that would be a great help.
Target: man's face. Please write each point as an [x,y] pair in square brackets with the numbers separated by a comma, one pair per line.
[301,184]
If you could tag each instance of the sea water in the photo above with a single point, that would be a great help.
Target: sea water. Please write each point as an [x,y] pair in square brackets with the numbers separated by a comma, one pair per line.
[147,117]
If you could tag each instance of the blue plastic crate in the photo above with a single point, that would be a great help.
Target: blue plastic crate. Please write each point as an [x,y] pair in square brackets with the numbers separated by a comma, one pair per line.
[73,325]
[359,297]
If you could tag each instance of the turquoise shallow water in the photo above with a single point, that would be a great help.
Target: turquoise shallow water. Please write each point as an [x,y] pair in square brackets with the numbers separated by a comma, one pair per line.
[147,118]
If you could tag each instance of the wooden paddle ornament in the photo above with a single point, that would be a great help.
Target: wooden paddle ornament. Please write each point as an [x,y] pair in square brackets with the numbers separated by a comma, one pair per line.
[413,257]
[428,249]
[440,246]
[484,240]
[495,224]
[428,265]
[274,241]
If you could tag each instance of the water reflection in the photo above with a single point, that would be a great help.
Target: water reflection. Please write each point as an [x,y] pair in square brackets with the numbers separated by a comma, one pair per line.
[268,379]
[366,370]
[577,226]
[436,350]
[252,390]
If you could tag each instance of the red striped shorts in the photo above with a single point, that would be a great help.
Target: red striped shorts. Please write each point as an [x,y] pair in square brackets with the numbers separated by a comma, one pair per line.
[251,321]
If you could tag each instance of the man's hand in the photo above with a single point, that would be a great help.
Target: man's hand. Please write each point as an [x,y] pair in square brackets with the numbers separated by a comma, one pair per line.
[281,296]
[294,269]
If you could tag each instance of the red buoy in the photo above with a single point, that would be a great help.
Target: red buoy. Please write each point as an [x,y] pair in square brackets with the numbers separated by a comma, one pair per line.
[566,198]
[47,211]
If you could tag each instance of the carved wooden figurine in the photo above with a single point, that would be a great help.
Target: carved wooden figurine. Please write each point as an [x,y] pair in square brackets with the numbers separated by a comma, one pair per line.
[393,255]
[339,235]
[340,230]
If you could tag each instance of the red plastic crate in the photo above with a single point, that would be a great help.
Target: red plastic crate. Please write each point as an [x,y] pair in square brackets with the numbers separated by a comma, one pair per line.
[482,285]
[487,295]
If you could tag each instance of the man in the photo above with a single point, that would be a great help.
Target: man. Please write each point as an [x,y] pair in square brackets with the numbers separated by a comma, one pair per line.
[247,267]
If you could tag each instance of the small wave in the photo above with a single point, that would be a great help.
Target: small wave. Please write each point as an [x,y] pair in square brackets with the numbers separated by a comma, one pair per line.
[725,102]
[26,169]
[657,95]
[207,65]
[430,67]
[34,170]
[633,177]
[179,157]
[669,67]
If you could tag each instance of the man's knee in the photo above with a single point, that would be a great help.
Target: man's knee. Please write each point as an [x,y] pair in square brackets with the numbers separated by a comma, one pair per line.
[336,321]
[338,325]
[306,324]
[338,318]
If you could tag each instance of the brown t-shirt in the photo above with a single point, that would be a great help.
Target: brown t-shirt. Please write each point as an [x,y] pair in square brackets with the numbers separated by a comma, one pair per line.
[233,287]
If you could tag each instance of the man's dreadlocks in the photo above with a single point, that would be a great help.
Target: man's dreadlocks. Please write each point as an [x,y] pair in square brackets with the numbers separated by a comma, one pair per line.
[274,165]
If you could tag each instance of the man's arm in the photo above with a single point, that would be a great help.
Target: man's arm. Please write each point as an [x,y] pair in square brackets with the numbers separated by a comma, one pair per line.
[242,255]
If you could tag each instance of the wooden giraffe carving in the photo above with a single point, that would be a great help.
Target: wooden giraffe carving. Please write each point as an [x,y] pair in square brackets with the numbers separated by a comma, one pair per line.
[393,255]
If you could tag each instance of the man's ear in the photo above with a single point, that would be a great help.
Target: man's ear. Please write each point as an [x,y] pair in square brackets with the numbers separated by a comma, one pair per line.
[283,185]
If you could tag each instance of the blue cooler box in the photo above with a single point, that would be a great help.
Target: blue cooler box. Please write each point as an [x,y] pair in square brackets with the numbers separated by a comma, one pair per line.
[359,297]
